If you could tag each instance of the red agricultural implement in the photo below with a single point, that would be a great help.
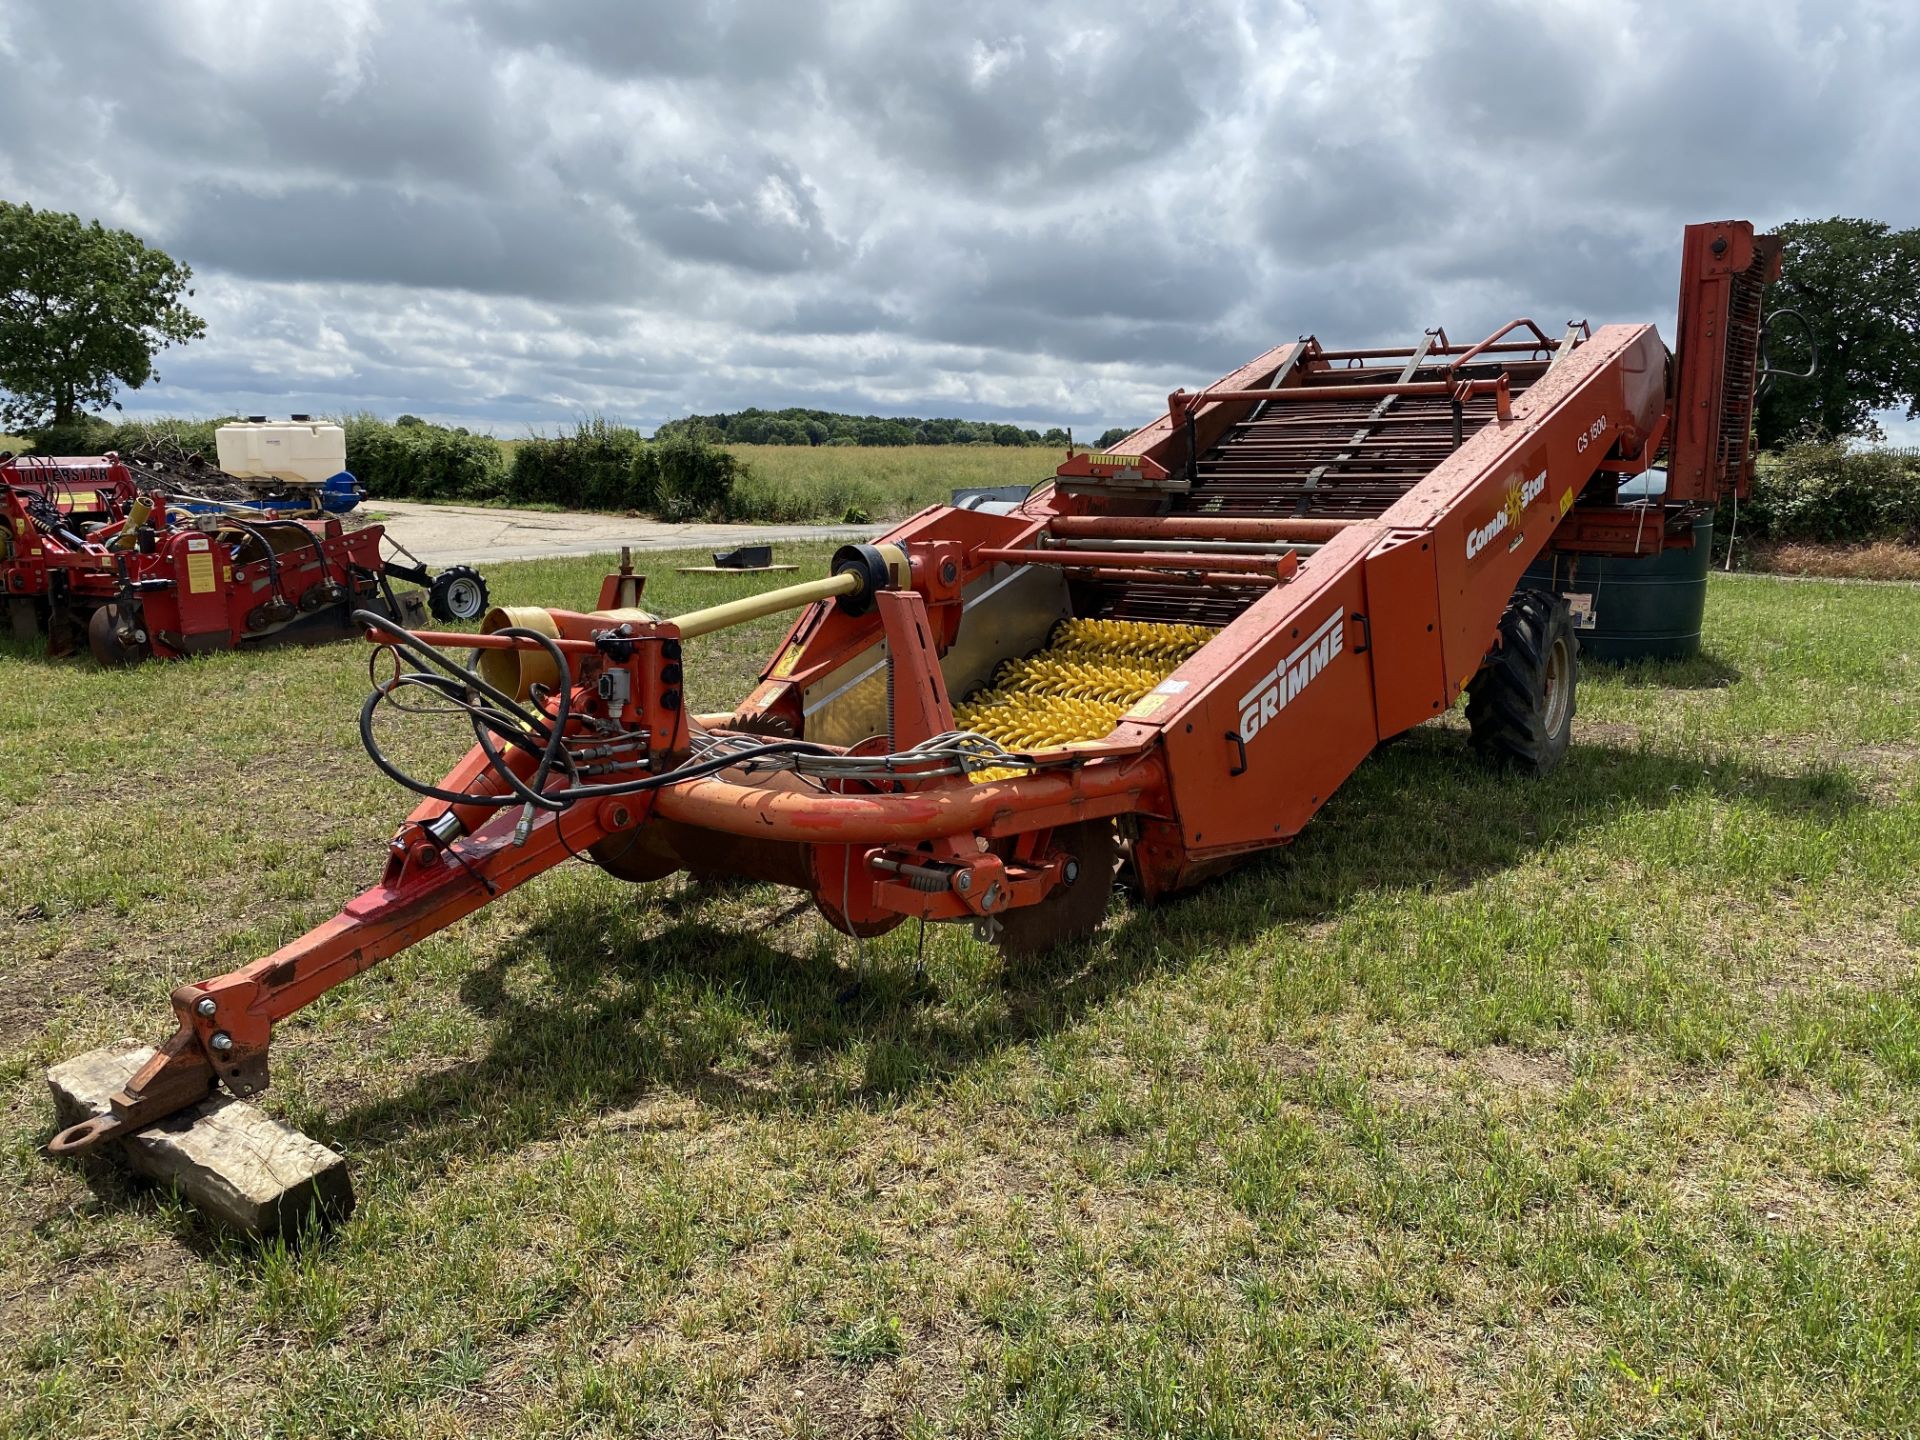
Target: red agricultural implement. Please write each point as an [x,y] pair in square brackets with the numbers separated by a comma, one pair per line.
[1165,661]
[83,553]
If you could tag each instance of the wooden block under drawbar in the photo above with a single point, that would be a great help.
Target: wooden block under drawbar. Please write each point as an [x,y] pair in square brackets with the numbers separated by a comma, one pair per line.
[732,569]
[235,1162]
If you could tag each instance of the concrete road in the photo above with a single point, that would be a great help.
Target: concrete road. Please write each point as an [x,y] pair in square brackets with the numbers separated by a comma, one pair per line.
[479,535]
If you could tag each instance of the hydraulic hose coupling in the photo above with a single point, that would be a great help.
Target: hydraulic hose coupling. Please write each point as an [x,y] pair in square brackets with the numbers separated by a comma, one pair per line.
[874,568]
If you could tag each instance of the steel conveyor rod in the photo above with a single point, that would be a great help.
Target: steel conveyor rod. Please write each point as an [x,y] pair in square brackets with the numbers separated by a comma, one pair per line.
[1171,529]
[1203,548]
[1142,560]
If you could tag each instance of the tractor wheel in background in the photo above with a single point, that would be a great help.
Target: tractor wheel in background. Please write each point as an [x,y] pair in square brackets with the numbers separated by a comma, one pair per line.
[103,639]
[1076,909]
[1520,705]
[457,593]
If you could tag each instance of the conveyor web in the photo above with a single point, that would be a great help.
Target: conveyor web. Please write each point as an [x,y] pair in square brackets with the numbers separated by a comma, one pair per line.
[1343,456]
[1339,455]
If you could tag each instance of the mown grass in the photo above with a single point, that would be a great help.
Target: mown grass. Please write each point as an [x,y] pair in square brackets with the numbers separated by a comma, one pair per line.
[1584,1106]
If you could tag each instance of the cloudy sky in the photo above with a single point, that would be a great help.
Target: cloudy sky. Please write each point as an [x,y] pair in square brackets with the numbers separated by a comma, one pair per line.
[513,212]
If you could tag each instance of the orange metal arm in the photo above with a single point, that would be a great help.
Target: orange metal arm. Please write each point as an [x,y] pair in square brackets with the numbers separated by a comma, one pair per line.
[226,1023]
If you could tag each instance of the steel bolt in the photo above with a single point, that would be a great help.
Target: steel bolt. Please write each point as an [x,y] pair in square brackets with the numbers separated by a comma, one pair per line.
[207,1006]
[222,1041]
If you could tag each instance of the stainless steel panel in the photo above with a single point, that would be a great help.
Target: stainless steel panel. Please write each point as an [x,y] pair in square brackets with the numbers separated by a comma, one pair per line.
[1006,612]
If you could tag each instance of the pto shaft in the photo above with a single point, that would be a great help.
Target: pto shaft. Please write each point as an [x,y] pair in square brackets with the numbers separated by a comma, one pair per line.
[771,602]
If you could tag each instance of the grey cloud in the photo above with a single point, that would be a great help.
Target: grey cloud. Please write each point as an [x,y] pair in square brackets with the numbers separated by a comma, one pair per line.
[1014,97]
[759,214]
[735,39]
[376,232]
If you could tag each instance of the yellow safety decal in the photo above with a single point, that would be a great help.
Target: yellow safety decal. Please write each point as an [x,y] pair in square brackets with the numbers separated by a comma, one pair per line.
[79,498]
[788,662]
[1145,706]
[1125,462]
[199,573]
[1566,501]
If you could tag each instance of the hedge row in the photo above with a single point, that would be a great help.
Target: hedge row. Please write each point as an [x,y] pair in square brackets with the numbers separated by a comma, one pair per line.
[597,466]
[90,435]
[423,462]
[609,467]
[1826,494]
[796,426]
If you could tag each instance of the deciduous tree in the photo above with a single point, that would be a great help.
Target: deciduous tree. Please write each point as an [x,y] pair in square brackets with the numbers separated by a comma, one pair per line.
[83,311]
[1857,282]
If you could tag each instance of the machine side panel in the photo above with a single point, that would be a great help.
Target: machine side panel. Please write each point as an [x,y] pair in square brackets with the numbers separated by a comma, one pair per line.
[1494,503]
[1402,632]
[1276,711]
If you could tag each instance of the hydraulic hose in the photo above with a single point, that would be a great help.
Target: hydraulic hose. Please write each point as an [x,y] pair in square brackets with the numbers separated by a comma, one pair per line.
[550,730]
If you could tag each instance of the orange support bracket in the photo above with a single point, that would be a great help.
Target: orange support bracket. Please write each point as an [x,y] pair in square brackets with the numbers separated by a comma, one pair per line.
[917,704]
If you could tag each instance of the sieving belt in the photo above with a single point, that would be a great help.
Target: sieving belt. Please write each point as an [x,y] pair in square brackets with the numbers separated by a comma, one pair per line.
[1077,688]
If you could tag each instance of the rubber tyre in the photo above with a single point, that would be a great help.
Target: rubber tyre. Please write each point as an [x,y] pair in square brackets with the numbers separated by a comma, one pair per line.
[1520,706]
[457,593]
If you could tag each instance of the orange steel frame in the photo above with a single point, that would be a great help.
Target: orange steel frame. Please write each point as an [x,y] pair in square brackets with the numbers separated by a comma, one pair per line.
[1371,625]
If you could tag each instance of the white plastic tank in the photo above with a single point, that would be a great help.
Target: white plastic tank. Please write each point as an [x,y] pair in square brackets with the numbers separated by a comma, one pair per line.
[299,452]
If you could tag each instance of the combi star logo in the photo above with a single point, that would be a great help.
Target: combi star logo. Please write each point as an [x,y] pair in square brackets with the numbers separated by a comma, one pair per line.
[1514,506]
[1512,510]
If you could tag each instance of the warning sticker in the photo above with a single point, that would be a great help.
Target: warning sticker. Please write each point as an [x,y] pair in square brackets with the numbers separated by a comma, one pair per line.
[1145,706]
[1581,607]
[199,573]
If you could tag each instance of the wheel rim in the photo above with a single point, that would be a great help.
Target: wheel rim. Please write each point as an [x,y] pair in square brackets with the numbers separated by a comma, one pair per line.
[463,598]
[1559,685]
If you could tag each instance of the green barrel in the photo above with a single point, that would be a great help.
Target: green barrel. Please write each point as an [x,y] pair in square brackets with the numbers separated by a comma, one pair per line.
[1635,608]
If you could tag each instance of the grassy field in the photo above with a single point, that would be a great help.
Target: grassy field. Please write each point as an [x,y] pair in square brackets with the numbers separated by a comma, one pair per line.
[789,483]
[1577,1107]
[831,484]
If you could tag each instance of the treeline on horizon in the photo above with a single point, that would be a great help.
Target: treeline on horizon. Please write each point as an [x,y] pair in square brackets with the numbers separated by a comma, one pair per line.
[795,426]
